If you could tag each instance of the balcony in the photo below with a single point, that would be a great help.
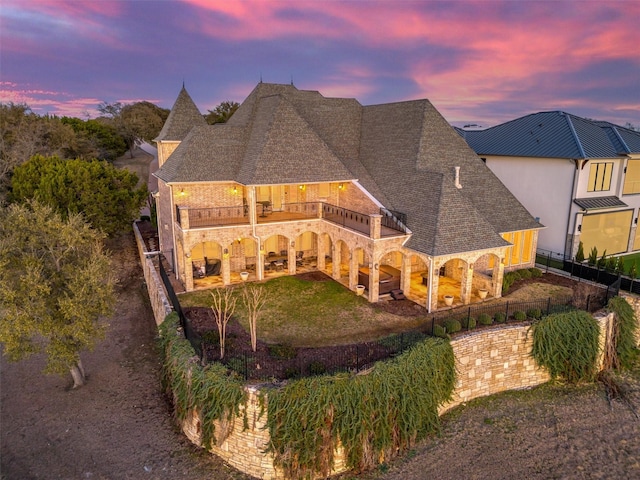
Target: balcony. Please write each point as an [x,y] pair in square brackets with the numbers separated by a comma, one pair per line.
[389,224]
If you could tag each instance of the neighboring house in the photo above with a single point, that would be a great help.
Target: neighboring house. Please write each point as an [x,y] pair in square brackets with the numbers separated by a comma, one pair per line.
[384,193]
[579,177]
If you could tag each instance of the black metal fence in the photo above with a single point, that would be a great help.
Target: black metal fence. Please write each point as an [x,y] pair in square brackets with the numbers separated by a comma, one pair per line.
[281,362]
[615,281]
[189,333]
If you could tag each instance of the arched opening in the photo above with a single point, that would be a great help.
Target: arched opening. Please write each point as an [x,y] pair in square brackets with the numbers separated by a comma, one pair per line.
[451,278]
[206,261]
[276,256]
[306,247]
[418,289]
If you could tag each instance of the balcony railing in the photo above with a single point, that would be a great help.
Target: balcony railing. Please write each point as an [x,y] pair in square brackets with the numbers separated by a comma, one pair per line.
[394,221]
[189,217]
[346,218]
[212,217]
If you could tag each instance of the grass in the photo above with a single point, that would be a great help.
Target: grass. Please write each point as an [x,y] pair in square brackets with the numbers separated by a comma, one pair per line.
[304,313]
[631,259]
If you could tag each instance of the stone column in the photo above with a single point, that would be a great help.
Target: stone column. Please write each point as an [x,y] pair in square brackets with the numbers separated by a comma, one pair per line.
[336,259]
[353,271]
[320,258]
[375,224]
[374,282]
[405,276]
[467,282]
[226,267]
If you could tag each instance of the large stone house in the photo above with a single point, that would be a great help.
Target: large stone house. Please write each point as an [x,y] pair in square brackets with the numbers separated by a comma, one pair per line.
[388,196]
[580,177]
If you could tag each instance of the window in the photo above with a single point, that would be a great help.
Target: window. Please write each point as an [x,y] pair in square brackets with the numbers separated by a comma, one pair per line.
[521,251]
[606,231]
[600,177]
[632,177]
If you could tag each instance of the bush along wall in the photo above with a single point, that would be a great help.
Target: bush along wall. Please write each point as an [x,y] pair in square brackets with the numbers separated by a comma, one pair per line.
[212,391]
[373,417]
[567,345]
[624,333]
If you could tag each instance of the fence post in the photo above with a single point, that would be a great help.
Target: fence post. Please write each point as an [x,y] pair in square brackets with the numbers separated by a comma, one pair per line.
[506,313]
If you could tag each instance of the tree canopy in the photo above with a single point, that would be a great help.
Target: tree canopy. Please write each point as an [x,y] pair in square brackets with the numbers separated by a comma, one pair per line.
[221,113]
[136,121]
[108,197]
[56,282]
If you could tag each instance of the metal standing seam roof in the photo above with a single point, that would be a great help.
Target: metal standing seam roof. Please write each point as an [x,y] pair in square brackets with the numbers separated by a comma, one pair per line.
[596,203]
[404,154]
[554,134]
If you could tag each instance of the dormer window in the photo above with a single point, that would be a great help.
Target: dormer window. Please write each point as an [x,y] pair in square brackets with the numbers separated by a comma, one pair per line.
[600,177]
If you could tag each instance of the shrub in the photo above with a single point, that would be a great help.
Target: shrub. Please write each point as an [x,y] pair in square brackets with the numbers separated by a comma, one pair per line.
[291,372]
[211,337]
[508,280]
[452,325]
[317,368]
[612,264]
[499,317]
[524,273]
[282,351]
[633,271]
[535,272]
[580,253]
[519,315]
[439,331]
[485,319]
[468,323]
[624,333]
[567,345]
[534,313]
[593,256]
[602,261]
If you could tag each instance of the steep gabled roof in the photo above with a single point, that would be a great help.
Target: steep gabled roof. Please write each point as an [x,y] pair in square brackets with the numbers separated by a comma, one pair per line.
[412,154]
[403,154]
[183,117]
[553,134]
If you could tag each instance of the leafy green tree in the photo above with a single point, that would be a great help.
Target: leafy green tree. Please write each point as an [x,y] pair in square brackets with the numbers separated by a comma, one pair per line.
[56,282]
[134,122]
[221,113]
[95,139]
[108,197]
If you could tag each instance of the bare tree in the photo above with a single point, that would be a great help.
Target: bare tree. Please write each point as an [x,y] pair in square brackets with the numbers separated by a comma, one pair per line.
[254,298]
[224,304]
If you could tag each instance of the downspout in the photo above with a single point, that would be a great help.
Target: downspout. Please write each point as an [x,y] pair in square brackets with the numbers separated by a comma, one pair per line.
[569,248]
[430,287]
[252,219]
[173,235]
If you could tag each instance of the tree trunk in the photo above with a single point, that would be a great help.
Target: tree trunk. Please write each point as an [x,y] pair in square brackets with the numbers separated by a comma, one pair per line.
[79,377]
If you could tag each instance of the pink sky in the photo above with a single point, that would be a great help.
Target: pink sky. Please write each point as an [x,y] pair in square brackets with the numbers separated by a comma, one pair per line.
[479,62]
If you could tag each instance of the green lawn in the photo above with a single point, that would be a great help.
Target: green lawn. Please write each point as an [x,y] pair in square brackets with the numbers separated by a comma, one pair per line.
[629,260]
[309,313]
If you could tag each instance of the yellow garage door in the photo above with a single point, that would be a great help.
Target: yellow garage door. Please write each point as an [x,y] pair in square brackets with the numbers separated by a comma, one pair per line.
[606,231]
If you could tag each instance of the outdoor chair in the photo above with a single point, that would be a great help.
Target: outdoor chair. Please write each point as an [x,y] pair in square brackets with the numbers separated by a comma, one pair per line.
[299,256]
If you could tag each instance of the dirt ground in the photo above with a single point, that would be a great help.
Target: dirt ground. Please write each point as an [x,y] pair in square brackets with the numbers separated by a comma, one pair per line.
[119,425]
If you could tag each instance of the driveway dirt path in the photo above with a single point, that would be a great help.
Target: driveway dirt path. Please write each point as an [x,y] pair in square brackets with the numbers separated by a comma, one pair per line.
[119,425]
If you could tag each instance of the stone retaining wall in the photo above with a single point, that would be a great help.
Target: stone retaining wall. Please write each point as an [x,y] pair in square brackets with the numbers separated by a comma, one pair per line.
[488,361]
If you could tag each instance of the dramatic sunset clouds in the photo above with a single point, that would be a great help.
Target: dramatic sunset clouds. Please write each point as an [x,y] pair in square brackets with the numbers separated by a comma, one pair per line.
[482,62]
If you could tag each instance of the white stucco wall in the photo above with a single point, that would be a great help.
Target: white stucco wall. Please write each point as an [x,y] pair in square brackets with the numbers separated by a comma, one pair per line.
[544,187]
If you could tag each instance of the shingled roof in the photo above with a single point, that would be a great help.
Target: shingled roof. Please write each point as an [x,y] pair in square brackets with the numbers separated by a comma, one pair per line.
[404,154]
[183,117]
[554,134]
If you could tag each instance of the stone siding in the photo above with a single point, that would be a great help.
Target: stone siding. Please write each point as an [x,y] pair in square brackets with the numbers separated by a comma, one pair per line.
[488,361]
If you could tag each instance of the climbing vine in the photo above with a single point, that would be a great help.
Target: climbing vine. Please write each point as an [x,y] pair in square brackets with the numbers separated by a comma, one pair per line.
[374,416]
[567,345]
[624,333]
[212,391]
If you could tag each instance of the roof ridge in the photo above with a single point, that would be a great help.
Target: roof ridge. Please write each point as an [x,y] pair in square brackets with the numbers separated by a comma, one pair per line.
[575,135]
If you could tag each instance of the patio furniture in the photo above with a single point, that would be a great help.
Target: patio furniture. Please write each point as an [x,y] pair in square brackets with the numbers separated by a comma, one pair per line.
[299,256]
[388,278]
[279,264]
[212,267]
[266,207]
